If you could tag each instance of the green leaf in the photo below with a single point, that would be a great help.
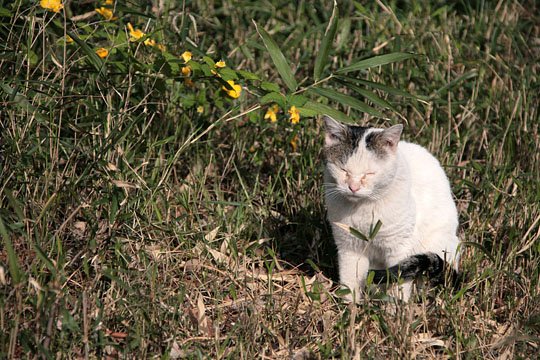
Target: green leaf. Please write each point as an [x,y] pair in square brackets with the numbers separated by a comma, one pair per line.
[208,60]
[369,95]
[247,75]
[228,74]
[278,58]
[342,292]
[173,63]
[41,255]
[223,82]
[376,61]
[369,279]
[14,269]
[205,68]
[385,88]
[354,232]
[322,109]
[5,12]
[274,97]
[344,33]
[307,112]
[357,234]
[324,50]
[375,230]
[15,204]
[313,265]
[347,100]
[94,60]
[297,100]
[268,86]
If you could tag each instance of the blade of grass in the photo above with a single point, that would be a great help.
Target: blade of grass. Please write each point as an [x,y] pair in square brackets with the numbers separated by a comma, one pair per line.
[94,60]
[324,50]
[369,95]
[480,247]
[43,257]
[352,231]
[278,58]
[323,109]
[346,100]
[376,61]
[385,88]
[468,75]
[14,268]
[375,230]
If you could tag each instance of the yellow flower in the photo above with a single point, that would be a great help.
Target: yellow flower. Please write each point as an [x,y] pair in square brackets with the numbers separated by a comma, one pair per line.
[294,114]
[53,5]
[102,52]
[106,13]
[134,34]
[271,113]
[221,64]
[69,39]
[189,82]
[186,70]
[200,109]
[186,55]
[294,143]
[235,91]
[150,42]
[109,2]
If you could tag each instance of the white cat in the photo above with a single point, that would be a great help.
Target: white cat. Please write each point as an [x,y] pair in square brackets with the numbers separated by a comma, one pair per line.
[371,176]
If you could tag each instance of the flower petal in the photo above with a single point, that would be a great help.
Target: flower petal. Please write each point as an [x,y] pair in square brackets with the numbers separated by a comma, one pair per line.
[186,55]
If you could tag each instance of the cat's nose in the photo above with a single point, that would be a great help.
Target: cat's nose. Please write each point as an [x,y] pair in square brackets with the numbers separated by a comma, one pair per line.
[354,187]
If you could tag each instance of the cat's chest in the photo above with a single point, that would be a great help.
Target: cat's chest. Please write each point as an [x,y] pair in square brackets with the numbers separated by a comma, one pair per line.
[393,221]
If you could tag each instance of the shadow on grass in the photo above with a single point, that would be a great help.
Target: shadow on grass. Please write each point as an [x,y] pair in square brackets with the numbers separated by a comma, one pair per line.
[304,241]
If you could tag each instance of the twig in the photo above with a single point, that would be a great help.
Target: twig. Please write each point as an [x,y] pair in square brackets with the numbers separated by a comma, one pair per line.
[83,16]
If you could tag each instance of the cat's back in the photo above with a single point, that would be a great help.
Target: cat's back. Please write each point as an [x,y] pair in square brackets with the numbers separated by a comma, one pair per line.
[436,212]
[428,179]
[421,161]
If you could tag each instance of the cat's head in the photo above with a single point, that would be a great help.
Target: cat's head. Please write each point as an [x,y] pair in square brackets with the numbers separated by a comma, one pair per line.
[360,161]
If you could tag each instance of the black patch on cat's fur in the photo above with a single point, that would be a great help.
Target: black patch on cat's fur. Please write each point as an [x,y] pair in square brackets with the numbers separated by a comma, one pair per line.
[341,151]
[356,133]
[428,264]
[373,143]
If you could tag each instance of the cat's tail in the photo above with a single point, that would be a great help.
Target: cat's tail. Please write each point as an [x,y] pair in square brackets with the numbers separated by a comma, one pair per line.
[429,264]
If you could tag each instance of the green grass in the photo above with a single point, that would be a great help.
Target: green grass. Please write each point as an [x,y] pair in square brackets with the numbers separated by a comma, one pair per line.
[135,226]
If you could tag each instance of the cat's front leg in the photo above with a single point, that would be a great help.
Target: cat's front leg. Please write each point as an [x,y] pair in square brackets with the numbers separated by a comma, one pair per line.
[403,290]
[353,269]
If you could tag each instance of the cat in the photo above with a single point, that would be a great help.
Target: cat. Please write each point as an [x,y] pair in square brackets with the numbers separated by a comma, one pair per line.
[371,176]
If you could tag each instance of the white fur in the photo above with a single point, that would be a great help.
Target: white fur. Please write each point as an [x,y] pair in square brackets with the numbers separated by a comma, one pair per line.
[408,192]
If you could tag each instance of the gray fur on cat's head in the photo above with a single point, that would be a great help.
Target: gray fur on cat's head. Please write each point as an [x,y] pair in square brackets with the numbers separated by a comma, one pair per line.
[360,161]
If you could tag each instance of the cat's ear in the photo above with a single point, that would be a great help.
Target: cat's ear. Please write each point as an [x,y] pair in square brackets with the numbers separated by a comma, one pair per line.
[390,137]
[334,131]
